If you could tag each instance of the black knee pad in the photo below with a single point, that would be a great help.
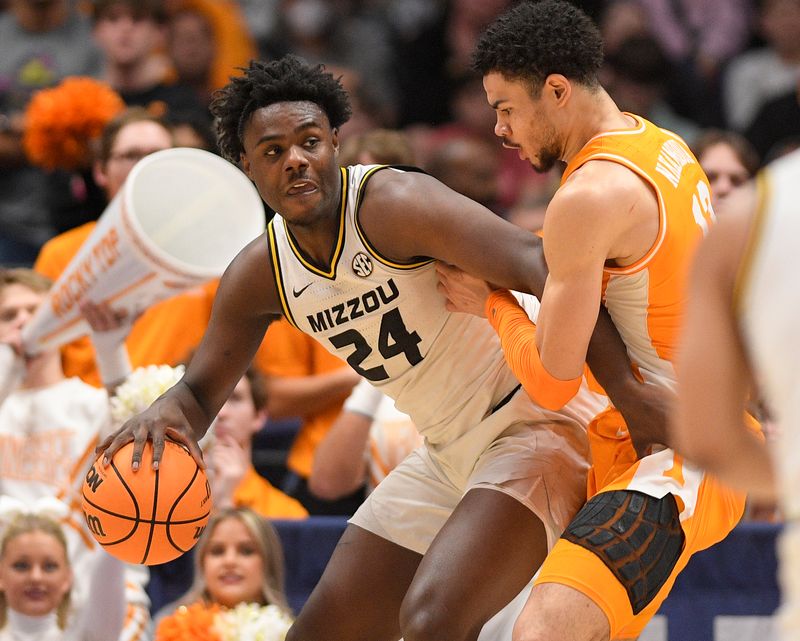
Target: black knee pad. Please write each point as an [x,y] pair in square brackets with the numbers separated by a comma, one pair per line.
[638,537]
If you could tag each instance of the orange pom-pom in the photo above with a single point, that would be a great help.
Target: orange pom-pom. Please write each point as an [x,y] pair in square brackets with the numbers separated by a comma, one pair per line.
[60,123]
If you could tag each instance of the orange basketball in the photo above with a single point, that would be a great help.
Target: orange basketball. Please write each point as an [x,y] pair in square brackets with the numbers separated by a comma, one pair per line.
[148,516]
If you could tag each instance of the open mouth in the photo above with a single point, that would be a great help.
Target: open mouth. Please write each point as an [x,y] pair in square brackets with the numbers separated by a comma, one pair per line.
[301,188]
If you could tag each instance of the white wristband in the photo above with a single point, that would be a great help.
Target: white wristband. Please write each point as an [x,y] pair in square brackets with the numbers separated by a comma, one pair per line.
[114,364]
[364,399]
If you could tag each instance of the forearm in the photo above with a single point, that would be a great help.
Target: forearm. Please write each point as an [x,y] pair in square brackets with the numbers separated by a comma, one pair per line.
[741,460]
[518,339]
[305,395]
[106,604]
[339,467]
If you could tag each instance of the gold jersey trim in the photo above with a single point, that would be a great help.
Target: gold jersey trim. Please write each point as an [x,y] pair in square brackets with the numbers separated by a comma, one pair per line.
[370,248]
[330,274]
[278,273]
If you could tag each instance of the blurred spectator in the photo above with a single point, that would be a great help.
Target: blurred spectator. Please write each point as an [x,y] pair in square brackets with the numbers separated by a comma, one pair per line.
[369,438]
[776,124]
[469,165]
[166,332]
[699,38]
[192,129]
[49,427]
[209,42]
[306,381]
[234,480]
[238,560]
[620,20]
[636,76]
[36,577]
[42,43]
[755,77]
[729,161]
[342,33]
[132,33]
[191,47]
[466,20]
[379,147]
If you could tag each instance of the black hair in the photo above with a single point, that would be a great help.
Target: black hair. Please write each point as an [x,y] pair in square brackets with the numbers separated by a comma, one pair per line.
[288,79]
[535,39]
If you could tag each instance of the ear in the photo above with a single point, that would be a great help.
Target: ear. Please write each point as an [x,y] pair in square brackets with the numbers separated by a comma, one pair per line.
[246,165]
[335,140]
[99,174]
[559,87]
[259,419]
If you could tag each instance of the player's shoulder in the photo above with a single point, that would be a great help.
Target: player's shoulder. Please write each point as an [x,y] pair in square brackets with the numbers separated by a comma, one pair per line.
[594,191]
[391,187]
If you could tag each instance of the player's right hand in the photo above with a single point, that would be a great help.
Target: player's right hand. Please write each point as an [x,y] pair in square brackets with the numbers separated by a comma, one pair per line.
[163,419]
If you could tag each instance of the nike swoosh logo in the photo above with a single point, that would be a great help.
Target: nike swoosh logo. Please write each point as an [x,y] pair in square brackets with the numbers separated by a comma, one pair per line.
[297,293]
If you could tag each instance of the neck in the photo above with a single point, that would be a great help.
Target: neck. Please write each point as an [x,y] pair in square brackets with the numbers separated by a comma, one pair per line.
[43,371]
[593,113]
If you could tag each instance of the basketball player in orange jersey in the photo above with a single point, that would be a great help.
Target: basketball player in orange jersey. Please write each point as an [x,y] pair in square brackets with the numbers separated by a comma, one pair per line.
[460,526]
[621,230]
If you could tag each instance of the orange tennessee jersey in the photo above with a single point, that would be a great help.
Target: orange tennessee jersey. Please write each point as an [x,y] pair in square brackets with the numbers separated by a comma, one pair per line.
[646,299]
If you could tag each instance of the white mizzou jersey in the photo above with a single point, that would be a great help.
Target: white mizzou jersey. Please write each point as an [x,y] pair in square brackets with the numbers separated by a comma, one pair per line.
[388,321]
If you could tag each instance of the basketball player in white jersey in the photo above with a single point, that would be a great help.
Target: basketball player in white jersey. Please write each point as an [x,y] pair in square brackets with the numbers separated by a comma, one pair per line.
[458,528]
[741,334]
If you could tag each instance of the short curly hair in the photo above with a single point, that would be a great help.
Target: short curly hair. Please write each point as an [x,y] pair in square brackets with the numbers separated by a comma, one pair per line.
[288,79]
[535,39]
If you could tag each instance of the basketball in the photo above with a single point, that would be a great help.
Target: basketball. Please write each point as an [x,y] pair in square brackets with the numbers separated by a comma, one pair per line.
[148,516]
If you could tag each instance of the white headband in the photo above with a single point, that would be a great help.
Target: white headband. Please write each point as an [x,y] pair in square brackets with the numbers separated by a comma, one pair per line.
[47,506]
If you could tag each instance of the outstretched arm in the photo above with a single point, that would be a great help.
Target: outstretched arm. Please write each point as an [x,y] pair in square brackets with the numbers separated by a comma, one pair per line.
[713,372]
[245,304]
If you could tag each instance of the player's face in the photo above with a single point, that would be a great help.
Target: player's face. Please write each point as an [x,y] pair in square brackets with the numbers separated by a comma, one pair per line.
[132,143]
[233,567]
[239,418]
[290,154]
[522,121]
[17,305]
[34,573]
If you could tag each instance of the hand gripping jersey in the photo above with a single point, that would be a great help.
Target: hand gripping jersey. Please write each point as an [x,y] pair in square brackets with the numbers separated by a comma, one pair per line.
[389,322]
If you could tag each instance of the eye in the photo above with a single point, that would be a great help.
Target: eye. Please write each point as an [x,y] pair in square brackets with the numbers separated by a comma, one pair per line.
[311,142]
[20,566]
[247,550]
[216,550]
[273,150]
[51,566]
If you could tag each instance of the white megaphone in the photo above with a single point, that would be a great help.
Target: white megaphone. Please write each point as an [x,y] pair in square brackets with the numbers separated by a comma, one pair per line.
[180,218]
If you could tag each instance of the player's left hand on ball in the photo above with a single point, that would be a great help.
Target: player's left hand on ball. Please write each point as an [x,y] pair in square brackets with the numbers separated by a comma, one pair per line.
[464,293]
[165,418]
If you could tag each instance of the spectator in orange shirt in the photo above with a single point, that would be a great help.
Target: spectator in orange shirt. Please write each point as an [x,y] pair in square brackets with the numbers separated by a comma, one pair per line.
[167,331]
[234,480]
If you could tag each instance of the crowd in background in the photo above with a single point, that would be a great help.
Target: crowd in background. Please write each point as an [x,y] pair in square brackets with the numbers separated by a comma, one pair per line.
[723,74]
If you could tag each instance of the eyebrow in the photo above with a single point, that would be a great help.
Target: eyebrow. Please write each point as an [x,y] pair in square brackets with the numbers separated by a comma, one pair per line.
[299,129]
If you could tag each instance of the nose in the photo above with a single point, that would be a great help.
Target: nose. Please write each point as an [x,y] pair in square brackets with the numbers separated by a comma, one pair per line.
[501,130]
[722,186]
[295,159]
[36,573]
